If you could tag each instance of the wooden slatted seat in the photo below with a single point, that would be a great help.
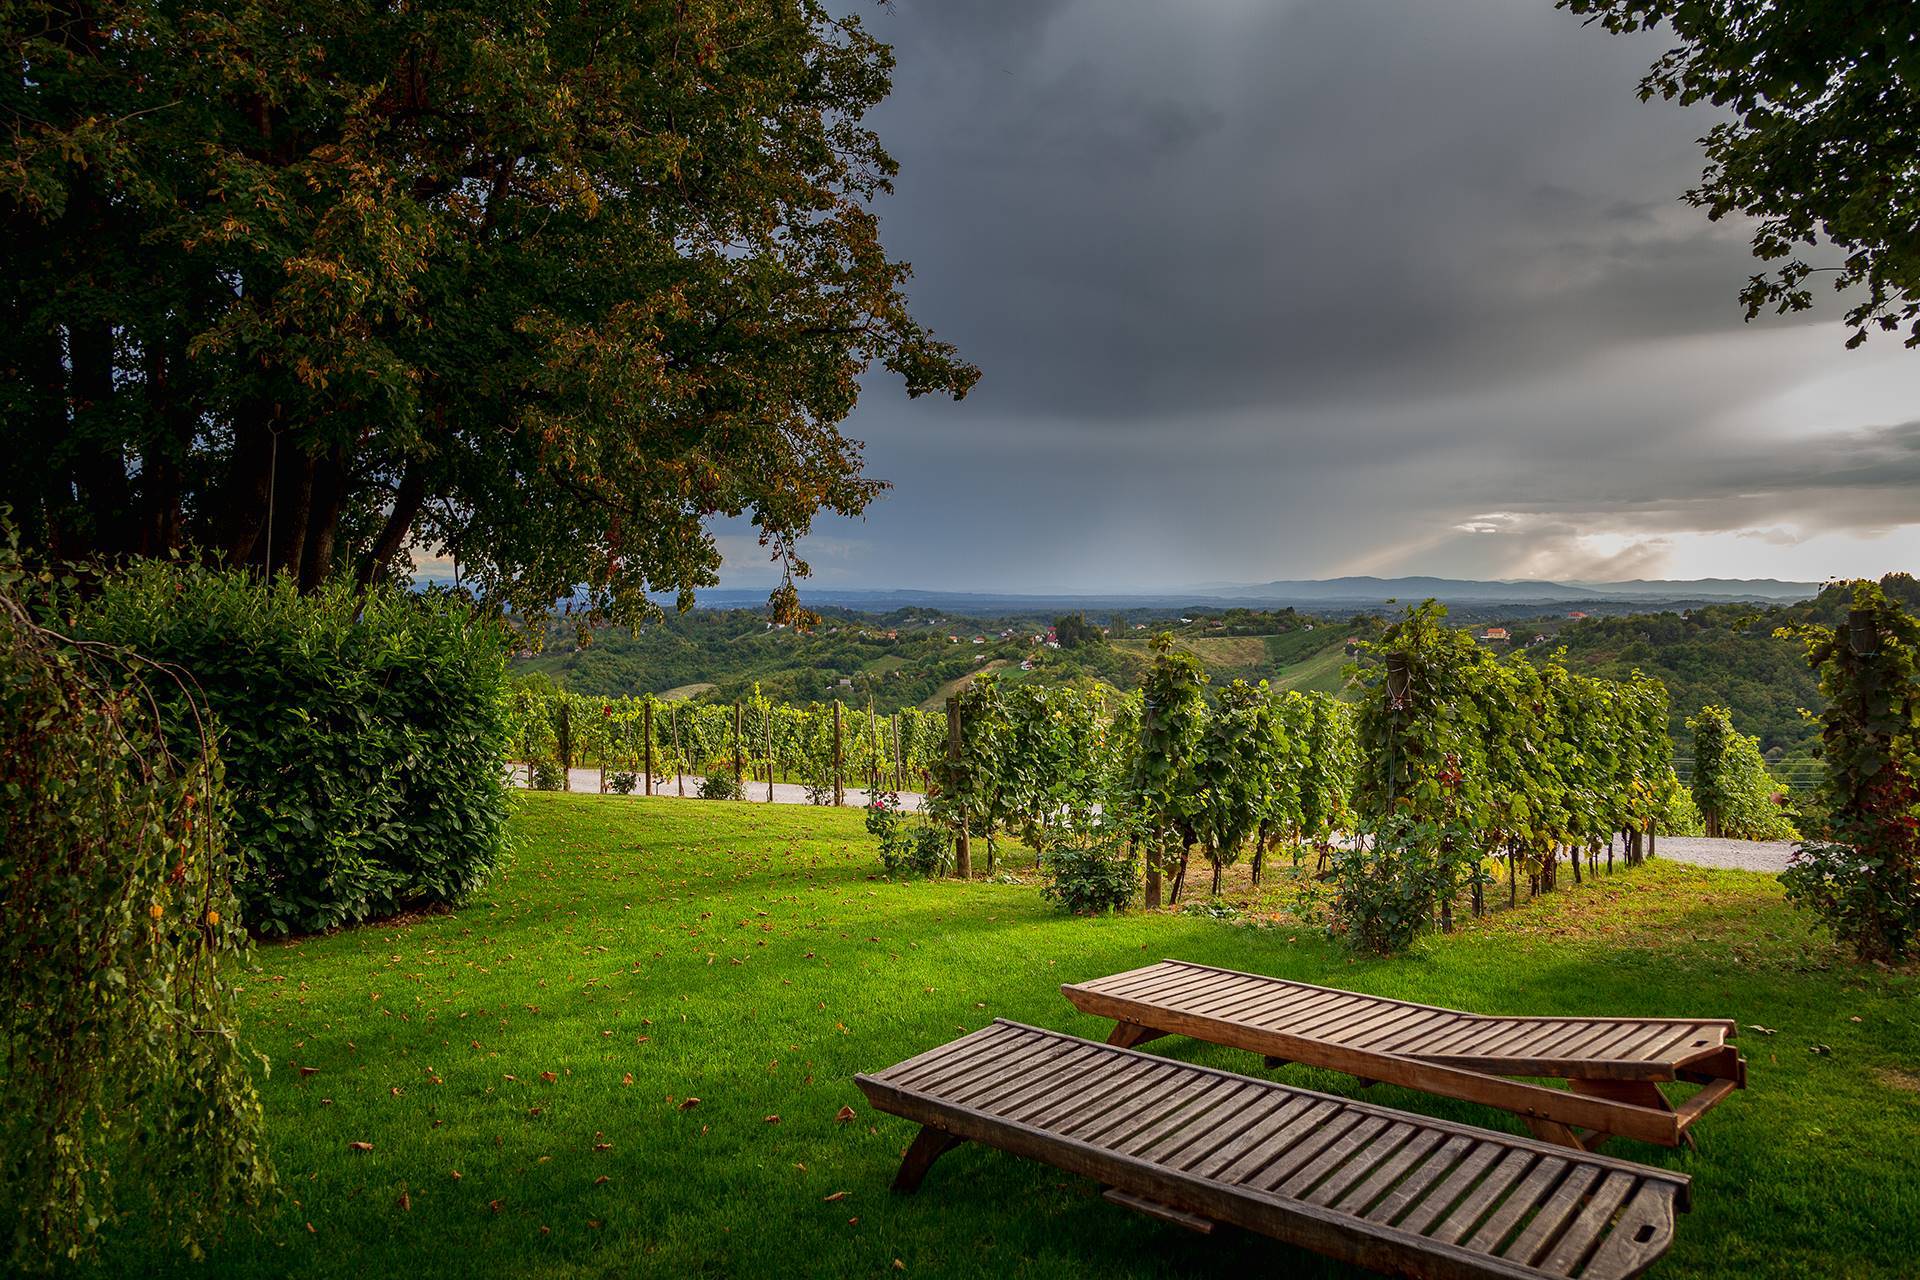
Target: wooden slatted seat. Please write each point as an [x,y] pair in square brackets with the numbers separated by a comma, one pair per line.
[1614,1066]
[1380,1188]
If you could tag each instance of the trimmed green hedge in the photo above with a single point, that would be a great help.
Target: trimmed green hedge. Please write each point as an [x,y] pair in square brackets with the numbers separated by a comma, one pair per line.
[364,736]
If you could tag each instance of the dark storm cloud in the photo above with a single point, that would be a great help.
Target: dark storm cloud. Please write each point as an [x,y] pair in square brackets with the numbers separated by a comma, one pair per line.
[1238,272]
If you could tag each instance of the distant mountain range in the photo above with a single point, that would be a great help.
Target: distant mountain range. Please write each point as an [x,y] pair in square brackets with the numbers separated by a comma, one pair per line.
[1348,593]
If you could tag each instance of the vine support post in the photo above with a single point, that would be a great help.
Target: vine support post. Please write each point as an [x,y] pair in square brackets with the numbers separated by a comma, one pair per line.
[962,843]
[646,735]
[1651,824]
[767,725]
[839,758]
[899,770]
[874,767]
[739,752]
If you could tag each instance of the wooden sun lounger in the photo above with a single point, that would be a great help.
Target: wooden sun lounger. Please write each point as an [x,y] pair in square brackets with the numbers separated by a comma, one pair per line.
[1614,1066]
[1379,1188]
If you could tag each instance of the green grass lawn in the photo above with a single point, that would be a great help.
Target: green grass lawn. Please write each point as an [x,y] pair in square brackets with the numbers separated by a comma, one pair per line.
[523,1068]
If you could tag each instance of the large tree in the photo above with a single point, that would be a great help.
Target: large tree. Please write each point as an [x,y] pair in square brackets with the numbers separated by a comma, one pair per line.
[1823,143]
[540,286]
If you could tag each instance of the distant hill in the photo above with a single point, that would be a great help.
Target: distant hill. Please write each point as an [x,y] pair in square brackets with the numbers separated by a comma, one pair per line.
[1323,595]
[1724,653]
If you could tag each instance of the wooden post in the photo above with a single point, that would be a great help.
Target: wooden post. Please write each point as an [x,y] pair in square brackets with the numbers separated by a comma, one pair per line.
[962,843]
[769,738]
[739,755]
[873,741]
[839,756]
[646,729]
[1651,824]
[899,770]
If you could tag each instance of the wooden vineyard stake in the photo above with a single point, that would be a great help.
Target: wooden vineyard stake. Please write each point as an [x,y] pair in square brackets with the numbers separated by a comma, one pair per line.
[899,771]
[769,741]
[839,783]
[962,844]
[646,732]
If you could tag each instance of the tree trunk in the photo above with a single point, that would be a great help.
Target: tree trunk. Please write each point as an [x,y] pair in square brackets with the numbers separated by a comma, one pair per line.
[408,499]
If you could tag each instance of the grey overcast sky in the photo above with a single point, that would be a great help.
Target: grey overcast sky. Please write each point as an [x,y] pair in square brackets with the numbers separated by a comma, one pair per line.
[1298,288]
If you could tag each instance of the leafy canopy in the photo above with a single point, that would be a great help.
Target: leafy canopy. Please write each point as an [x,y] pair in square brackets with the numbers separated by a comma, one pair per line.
[1825,100]
[539,287]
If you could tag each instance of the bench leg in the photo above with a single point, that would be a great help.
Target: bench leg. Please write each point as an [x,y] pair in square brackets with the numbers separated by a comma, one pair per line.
[928,1145]
[1553,1131]
[1126,1035]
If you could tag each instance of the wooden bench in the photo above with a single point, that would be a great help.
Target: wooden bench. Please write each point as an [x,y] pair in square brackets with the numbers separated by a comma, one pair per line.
[1614,1066]
[1368,1185]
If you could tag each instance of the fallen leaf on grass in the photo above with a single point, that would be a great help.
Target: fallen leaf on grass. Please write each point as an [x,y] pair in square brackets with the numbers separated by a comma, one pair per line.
[603,1146]
[359,1146]
[629,1078]
[1765,1031]
[773,1119]
[1822,1049]
[601,1181]
[548,1076]
[314,1071]
[689,1104]
[406,1203]
[496,1205]
[843,1115]
[838,1195]
[456,1175]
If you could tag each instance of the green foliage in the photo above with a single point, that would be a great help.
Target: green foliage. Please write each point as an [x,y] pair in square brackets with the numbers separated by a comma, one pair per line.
[124,1081]
[1736,796]
[1073,631]
[1825,112]
[1476,753]
[1388,884]
[363,734]
[1090,877]
[542,288]
[719,786]
[1865,881]
[1165,796]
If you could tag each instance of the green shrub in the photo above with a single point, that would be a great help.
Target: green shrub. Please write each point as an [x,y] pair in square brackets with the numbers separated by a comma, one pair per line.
[1090,878]
[364,736]
[1389,886]
[545,775]
[918,849]
[1864,879]
[1737,798]
[719,786]
[623,782]
[122,1074]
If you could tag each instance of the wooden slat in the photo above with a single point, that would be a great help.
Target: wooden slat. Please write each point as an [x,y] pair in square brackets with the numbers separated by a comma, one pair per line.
[1396,1202]
[1197,1137]
[1435,1205]
[1403,1162]
[1583,1234]
[1380,1151]
[1099,1110]
[1540,1180]
[1290,1112]
[1552,1214]
[1475,1205]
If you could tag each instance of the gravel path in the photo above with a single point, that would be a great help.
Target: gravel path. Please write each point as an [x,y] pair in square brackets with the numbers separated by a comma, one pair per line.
[1743,855]
[588,780]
